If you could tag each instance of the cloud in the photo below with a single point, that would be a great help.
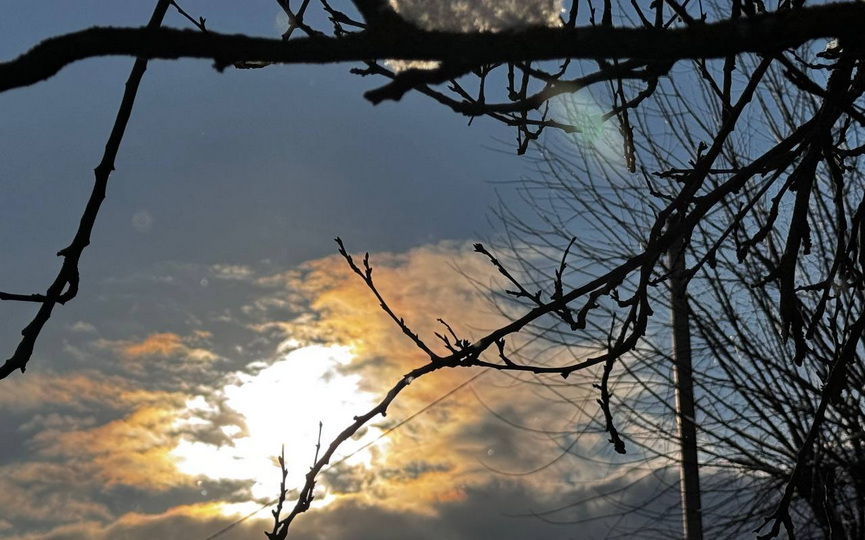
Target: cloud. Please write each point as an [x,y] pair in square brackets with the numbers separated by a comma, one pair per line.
[154,345]
[473,16]
[182,423]
[238,272]
[78,391]
[83,327]
[463,440]
[132,451]
[82,436]
[421,286]
[167,345]
[479,15]
[281,405]
[178,523]
[44,493]
[501,509]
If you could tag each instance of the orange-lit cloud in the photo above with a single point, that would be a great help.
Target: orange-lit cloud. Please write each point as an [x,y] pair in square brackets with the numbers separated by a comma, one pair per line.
[459,442]
[132,451]
[421,286]
[72,451]
[155,344]
[167,344]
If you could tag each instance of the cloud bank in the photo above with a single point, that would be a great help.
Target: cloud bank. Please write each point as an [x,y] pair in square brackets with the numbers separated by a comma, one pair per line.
[168,427]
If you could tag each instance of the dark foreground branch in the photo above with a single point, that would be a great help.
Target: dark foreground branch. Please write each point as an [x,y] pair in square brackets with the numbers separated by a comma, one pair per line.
[765,33]
[65,285]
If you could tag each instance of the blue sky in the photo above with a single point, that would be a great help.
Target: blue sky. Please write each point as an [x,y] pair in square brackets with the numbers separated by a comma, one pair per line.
[212,268]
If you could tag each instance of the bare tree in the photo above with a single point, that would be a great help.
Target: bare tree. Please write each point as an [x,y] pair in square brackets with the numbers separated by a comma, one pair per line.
[752,399]
[511,76]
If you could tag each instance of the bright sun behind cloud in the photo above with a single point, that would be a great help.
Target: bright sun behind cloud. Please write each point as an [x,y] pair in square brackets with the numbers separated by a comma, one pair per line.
[281,404]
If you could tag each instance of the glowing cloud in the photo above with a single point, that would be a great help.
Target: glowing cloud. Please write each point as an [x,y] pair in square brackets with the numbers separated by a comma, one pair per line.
[131,451]
[451,446]
[281,404]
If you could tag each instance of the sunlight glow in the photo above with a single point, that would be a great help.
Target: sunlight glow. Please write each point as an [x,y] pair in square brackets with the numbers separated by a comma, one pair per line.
[281,404]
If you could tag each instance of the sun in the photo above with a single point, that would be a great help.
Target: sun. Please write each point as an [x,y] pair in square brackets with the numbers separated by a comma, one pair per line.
[281,406]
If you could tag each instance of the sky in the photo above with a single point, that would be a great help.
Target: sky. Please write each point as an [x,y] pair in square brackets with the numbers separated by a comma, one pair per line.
[216,324]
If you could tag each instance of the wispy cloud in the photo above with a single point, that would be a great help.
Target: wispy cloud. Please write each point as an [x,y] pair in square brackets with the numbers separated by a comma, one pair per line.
[167,344]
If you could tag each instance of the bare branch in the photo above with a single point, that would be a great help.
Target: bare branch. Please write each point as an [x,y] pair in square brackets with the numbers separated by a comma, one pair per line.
[765,33]
[65,285]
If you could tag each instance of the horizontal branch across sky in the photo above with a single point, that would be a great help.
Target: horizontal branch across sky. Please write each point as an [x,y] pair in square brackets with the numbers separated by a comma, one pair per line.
[762,33]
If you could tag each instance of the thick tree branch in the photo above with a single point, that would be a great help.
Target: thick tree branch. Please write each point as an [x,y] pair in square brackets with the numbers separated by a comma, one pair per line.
[762,33]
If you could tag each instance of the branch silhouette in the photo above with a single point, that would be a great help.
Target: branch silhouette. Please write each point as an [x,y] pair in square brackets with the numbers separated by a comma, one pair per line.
[65,285]
[764,33]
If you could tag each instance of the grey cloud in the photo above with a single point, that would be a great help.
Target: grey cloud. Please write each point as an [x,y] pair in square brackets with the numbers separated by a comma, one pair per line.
[504,510]
[143,527]
[39,493]
[501,510]
[56,421]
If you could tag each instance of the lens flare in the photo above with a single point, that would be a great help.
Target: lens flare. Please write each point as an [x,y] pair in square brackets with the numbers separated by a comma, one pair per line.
[596,136]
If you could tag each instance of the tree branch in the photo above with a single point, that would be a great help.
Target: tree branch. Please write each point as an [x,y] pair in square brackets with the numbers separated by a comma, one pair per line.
[65,285]
[764,33]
